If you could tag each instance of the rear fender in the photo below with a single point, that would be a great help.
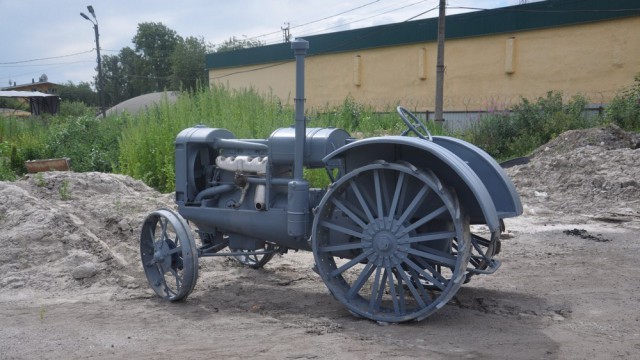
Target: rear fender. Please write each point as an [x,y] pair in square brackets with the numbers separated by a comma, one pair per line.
[448,167]
[495,179]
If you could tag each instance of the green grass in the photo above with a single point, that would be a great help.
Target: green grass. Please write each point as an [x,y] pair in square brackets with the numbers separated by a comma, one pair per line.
[142,145]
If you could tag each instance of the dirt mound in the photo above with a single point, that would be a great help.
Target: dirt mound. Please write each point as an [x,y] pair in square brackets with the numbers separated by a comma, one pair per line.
[65,232]
[609,138]
[592,172]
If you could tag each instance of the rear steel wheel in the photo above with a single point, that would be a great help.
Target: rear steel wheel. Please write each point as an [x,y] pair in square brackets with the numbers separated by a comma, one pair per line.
[252,260]
[383,242]
[169,255]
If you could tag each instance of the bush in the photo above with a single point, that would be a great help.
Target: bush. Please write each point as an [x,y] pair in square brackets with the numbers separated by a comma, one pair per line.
[75,108]
[6,171]
[90,143]
[529,124]
[624,109]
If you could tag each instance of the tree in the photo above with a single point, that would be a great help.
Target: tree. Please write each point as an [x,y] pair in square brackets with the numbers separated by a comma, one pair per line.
[156,43]
[113,80]
[135,71]
[81,92]
[233,43]
[188,64]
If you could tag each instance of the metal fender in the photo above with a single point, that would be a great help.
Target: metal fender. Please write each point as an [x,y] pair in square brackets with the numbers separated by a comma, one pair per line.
[495,179]
[448,167]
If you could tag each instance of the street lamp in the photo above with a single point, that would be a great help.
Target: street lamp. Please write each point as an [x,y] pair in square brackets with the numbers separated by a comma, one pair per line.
[100,81]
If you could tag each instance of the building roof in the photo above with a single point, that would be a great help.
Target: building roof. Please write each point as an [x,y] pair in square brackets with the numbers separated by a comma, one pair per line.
[23,94]
[31,84]
[538,15]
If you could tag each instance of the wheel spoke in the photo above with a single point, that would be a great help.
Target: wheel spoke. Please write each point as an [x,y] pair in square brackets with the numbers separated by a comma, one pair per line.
[423,292]
[342,229]
[392,291]
[424,274]
[348,212]
[364,276]
[412,288]
[152,237]
[361,200]
[424,265]
[425,219]
[168,291]
[350,264]
[174,251]
[378,193]
[374,303]
[164,222]
[401,293]
[396,196]
[434,255]
[440,235]
[177,278]
[381,287]
[413,206]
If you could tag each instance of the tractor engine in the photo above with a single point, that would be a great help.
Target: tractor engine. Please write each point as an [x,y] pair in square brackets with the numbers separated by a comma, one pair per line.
[216,171]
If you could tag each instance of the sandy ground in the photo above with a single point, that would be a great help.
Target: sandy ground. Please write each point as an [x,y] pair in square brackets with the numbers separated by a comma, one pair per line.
[73,287]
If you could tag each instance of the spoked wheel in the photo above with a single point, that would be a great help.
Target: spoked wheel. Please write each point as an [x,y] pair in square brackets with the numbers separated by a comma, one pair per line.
[169,255]
[255,261]
[482,252]
[383,242]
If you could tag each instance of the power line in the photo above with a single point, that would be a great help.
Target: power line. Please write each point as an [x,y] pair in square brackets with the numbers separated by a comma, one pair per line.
[338,14]
[511,9]
[365,35]
[47,64]
[47,58]
[385,9]
[313,32]
[315,21]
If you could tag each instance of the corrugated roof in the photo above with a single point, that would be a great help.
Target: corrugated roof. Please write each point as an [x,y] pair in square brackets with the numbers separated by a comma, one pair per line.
[544,14]
[23,94]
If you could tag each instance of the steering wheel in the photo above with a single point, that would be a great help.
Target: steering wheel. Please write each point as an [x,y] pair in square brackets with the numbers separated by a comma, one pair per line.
[416,125]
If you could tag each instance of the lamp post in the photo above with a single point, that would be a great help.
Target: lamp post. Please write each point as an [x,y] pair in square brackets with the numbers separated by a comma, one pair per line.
[100,81]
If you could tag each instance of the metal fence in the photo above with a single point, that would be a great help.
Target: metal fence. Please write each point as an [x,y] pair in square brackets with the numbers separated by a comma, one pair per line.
[458,121]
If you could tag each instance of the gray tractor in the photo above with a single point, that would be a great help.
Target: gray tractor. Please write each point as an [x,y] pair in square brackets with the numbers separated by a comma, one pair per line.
[391,235]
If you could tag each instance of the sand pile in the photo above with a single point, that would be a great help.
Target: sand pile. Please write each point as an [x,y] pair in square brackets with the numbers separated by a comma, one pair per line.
[594,172]
[63,231]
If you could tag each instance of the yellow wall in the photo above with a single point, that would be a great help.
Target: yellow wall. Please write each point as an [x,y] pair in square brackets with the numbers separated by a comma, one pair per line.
[594,59]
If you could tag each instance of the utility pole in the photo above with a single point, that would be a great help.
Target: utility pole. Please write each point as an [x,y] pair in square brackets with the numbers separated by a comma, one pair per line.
[99,85]
[440,65]
[286,35]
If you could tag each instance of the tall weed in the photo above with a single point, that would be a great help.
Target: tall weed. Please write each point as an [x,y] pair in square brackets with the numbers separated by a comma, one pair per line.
[624,109]
[529,124]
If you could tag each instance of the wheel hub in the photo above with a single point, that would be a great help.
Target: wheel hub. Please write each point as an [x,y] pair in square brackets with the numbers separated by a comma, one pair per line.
[384,241]
[383,236]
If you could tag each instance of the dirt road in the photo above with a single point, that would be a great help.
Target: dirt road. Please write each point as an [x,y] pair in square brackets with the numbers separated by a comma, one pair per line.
[557,296]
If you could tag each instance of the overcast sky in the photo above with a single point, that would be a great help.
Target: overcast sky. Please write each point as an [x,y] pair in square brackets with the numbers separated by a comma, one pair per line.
[55,32]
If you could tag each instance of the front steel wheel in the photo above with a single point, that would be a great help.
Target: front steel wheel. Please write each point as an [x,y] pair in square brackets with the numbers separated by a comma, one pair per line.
[391,242]
[169,255]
